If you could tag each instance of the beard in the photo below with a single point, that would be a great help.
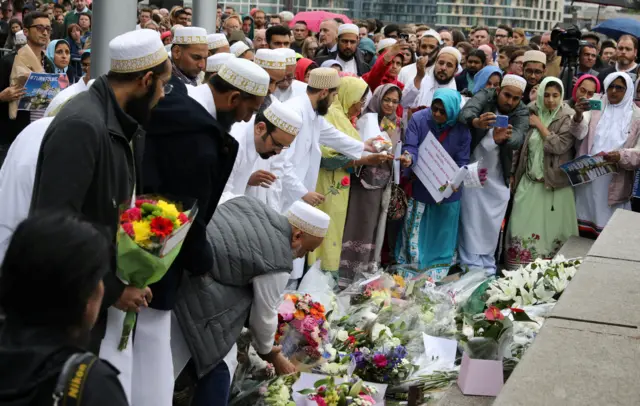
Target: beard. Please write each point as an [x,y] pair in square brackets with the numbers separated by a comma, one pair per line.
[139,108]
[323,106]
[298,253]
[345,57]
[441,80]
[226,119]
[472,72]
[266,155]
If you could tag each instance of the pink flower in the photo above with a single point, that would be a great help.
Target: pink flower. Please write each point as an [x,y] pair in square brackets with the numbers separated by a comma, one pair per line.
[493,314]
[368,399]
[134,214]
[128,228]
[379,360]
[319,400]
[287,316]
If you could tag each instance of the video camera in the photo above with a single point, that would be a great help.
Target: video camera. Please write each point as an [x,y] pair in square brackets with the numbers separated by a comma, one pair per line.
[565,38]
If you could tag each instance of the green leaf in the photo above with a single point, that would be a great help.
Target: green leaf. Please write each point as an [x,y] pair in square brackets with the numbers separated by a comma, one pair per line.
[322,382]
[356,389]
[521,316]
[306,391]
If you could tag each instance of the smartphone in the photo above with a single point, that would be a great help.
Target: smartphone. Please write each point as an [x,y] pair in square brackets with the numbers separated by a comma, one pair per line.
[501,121]
[404,36]
[595,104]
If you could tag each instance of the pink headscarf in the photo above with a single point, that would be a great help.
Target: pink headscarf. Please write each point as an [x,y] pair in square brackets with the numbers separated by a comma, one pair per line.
[582,79]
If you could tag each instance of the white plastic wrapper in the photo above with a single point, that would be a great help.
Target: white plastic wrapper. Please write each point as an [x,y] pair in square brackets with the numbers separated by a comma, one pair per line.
[319,285]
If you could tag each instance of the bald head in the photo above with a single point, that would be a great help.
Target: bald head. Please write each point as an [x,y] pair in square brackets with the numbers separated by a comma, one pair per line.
[328,33]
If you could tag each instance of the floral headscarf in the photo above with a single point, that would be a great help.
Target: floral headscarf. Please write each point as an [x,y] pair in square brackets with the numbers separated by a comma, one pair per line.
[375,105]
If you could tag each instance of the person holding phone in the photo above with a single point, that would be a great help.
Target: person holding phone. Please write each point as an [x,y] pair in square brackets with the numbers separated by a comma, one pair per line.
[613,132]
[483,209]
[544,209]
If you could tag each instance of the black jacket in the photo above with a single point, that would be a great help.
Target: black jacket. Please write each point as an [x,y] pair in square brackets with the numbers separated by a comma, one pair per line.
[462,82]
[31,361]
[187,155]
[361,65]
[611,69]
[87,165]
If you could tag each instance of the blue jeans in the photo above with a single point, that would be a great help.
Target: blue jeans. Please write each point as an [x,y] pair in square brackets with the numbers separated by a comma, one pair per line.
[213,388]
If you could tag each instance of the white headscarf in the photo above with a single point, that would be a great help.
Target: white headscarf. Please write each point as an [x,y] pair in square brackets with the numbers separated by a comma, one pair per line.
[613,128]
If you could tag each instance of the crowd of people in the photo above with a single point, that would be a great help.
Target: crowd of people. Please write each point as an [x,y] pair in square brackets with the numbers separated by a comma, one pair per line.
[301,144]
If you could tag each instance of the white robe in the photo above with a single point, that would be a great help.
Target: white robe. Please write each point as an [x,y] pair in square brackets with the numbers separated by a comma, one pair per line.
[408,74]
[17,177]
[296,89]
[428,87]
[483,209]
[245,160]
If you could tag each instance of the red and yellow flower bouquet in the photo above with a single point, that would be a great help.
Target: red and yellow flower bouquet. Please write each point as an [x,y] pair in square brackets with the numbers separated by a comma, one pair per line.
[149,239]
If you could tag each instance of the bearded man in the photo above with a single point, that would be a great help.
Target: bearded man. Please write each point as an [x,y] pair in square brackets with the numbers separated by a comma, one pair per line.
[347,52]
[189,53]
[419,94]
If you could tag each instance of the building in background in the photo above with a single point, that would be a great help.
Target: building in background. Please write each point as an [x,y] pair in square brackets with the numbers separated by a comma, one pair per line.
[534,16]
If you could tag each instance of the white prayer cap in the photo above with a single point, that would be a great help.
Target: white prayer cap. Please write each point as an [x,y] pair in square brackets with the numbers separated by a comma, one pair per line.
[535,56]
[246,76]
[239,48]
[20,38]
[515,81]
[432,33]
[324,78]
[308,219]
[385,43]
[190,36]
[136,51]
[288,53]
[216,41]
[348,29]
[214,62]
[451,51]
[270,59]
[283,117]
[63,97]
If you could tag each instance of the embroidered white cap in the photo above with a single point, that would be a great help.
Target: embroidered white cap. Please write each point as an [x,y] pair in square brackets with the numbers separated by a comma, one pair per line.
[288,53]
[324,78]
[246,76]
[190,36]
[385,43]
[239,48]
[270,59]
[308,219]
[216,41]
[348,29]
[432,33]
[515,81]
[136,51]
[451,51]
[214,62]
[20,38]
[535,56]
[283,117]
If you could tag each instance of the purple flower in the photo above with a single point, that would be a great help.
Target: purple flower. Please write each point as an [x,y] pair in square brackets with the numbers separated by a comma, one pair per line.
[400,352]
[358,356]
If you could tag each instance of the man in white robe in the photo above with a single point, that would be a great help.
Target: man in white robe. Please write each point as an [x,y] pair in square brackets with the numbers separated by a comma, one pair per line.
[483,209]
[419,93]
[289,87]
[428,46]
[298,168]
[266,135]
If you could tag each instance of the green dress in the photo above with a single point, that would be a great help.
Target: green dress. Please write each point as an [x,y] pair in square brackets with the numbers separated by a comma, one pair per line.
[542,219]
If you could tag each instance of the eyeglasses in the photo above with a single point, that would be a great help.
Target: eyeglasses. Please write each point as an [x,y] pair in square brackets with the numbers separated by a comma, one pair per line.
[617,88]
[167,88]
[276,143]
[389,101]
[518,63]
[500,36]
[42,28]
[536,72]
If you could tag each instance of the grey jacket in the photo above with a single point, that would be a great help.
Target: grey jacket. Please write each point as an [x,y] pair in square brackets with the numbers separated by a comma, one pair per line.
[486,101]
[248,239]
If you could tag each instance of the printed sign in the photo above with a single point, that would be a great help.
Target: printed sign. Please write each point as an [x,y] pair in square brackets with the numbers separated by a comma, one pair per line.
[40,89]
[586,168]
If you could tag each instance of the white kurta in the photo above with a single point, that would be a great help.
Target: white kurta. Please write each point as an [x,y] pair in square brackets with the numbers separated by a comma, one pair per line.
[203,95]
[483,209]
[17,177]
[245,160]
[408,74]
[296,89]
[349,66]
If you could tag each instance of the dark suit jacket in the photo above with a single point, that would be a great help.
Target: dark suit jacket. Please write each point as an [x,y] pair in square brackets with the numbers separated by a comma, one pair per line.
[361,65]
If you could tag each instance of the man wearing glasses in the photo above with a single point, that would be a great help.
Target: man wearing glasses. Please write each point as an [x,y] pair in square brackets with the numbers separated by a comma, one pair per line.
[504,35]
[533,69]
[37,28]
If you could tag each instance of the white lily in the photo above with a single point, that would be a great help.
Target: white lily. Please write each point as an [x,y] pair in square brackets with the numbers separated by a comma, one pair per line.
[544,295]
[528,298]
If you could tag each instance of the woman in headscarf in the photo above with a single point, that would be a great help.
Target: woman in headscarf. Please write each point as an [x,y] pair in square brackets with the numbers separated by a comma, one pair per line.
[544,209]
[59,54]
[368,49]
[364,231]
[333,179]
[430,232]
[613,133]
[585,88]
[332,63]
[247,26]
[304,67]
[488,77]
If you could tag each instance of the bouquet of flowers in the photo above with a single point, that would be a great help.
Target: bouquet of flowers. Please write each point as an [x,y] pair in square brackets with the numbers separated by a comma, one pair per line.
[302,330]
[388,365]
[353,392]
[491,335]
[149,239]
[278,391]
[541,281]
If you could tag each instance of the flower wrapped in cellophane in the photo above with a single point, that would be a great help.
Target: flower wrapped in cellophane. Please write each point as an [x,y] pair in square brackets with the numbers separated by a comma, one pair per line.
[303,331]
[149,239]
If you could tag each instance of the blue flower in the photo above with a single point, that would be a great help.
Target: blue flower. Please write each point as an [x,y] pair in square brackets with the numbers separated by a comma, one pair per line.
[358,356]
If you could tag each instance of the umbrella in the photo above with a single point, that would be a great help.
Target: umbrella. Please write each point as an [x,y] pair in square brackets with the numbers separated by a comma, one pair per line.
[314,18]
[616,27]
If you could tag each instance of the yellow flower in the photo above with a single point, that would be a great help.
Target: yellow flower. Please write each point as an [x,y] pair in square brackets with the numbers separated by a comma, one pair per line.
[399,280]
[168,209]
[142,232]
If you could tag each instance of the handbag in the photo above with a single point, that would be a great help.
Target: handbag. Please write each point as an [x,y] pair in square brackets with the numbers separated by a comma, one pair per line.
[397,203]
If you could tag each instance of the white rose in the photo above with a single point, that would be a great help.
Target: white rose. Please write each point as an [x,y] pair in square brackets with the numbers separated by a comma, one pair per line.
[342,335]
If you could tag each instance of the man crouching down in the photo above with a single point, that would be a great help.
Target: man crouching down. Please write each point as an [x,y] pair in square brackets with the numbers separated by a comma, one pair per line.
[252,249]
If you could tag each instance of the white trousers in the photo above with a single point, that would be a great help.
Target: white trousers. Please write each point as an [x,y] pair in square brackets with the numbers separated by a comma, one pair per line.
[146,367]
